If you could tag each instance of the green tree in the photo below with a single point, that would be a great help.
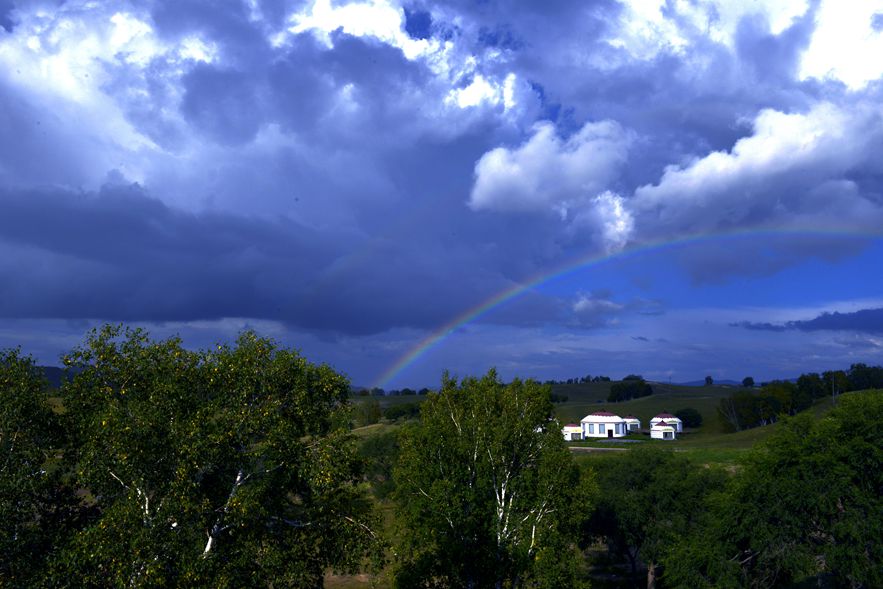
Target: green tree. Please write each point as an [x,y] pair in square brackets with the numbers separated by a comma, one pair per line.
[811,385]
[709,381]
[367,412]
[836,382]
[804,508]
[689,416]
[650,497]
[488,492]
[748,382]
[37,510]
[223,468]
[631,387]
[380,452]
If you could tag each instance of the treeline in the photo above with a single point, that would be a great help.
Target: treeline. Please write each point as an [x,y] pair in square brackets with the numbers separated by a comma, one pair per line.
[748,408]
[379,392]
[579,380]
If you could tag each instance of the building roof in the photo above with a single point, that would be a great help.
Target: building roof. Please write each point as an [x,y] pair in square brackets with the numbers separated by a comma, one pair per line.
[666,416]
[663,424]
[603,417]
[573,425]
[631,417]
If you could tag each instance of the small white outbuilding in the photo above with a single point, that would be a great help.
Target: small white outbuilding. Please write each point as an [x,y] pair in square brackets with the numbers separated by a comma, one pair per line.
[661,430]
[669,419]
[603,424]
[632,423]
[572,432]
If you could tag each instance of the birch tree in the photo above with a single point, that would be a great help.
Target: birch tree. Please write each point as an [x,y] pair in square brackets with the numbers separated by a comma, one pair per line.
[221,468]
[487,490]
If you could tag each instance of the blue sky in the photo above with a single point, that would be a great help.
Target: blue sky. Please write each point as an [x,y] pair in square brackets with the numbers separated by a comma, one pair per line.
[351,178]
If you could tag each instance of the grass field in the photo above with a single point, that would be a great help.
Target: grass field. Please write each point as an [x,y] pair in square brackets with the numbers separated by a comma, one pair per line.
[590,397]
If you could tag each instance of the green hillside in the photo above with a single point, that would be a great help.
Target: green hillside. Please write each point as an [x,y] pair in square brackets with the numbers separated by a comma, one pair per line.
[590,397]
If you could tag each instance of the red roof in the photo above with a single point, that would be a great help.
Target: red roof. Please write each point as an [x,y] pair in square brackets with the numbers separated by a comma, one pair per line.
[630,417]
[661,423]
[665,416]
[604,414]
[573,425]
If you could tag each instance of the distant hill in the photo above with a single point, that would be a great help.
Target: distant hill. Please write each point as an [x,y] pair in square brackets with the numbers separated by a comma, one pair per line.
[701,383]
[53,374]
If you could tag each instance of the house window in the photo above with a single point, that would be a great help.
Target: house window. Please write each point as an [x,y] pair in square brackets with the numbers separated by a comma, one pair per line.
[667,435]
[600,428]
[591,428]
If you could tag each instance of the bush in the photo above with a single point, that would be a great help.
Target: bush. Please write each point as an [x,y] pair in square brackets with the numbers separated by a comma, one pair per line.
[689,416]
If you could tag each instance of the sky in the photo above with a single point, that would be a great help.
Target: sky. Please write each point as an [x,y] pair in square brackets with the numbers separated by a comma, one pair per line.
[671,188]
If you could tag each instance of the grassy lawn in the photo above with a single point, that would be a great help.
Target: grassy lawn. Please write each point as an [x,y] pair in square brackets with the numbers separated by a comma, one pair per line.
[588,398]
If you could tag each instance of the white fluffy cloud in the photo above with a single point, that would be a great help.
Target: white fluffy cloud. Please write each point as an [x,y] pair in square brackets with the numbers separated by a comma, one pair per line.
[548,173]
[794,171]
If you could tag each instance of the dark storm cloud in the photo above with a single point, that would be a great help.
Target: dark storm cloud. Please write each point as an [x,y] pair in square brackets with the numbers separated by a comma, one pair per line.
[120,254]
[864,321]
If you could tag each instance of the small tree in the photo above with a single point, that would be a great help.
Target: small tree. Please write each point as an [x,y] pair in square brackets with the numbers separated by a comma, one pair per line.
[709,381]
[748,382]
[689,416]
[487,489]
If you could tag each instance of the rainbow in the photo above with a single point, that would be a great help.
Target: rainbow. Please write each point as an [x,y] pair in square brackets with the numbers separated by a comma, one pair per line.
[441,333]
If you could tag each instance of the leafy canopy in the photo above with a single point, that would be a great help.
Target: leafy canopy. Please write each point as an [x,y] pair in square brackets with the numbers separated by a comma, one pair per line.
[487,489]
[224,468]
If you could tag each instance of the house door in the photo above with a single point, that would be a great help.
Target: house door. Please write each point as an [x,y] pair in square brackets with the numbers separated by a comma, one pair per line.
[610,433]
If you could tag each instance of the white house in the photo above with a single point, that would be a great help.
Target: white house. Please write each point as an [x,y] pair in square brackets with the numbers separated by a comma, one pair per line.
[662,430]
[602,424]
[669,419]
[632,423]
[572,432]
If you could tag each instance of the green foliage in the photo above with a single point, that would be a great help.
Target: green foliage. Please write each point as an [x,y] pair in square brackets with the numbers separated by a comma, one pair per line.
[748,382]
[746,409]
[862,377]
[709,381]
[487,490]
[649,498]
[805,507]
[689,417]
[791,399]
[380,453]
[222,468]
[366,412]
[402,411]
[631,387]
[36,508]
